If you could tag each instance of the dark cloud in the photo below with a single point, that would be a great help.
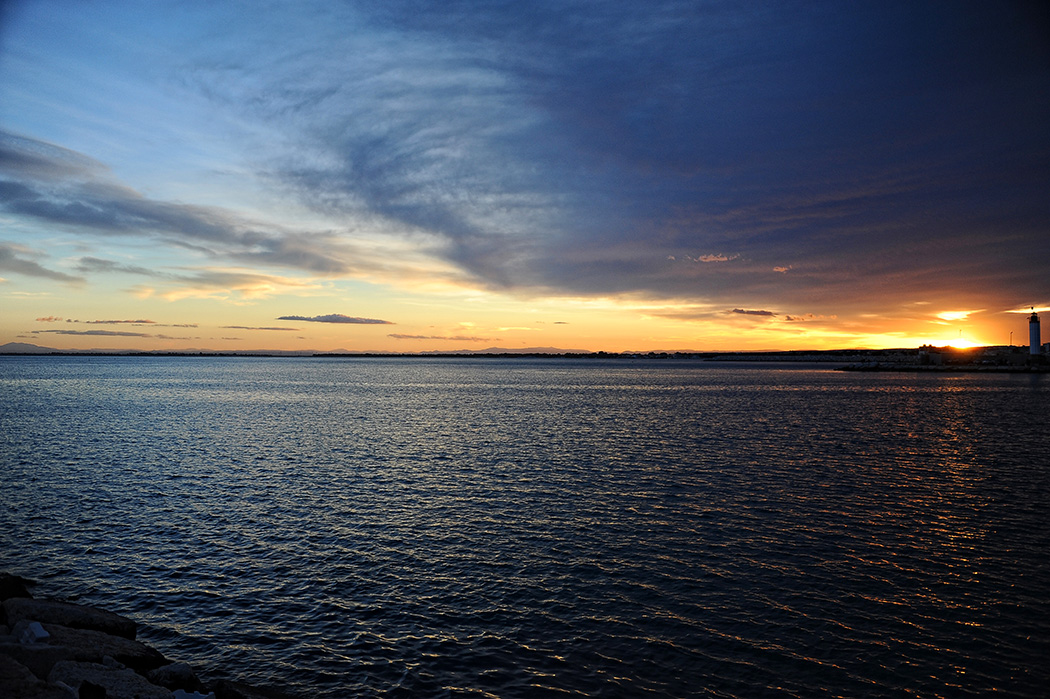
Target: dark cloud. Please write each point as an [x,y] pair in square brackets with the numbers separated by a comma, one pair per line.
[90,265]
[105,333]
[337,318]
[55,319]
[244,327]
[10,261]
[742,311]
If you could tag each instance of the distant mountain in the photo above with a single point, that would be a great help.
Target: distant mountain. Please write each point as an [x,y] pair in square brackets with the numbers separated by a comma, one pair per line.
[505,350]
[25,348]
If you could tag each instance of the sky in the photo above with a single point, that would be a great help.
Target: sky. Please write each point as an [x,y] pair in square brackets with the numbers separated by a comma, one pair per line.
[406,176]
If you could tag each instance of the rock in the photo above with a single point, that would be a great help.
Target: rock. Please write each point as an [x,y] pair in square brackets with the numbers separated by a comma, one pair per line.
[18,682]
[74,616]
[119,684]
[29,632]
[39,658]
[13,586]
[175,676]
[90,690]
[225,689]
[183,694]
[93,646]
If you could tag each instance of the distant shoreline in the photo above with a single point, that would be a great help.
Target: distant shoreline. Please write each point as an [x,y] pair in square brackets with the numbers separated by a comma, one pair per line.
[828,356]
[1006,360]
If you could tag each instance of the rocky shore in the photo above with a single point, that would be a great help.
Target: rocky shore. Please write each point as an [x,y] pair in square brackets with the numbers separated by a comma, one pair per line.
[51,649]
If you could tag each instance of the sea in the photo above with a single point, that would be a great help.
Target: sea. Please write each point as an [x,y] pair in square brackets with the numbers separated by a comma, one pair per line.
[542,527]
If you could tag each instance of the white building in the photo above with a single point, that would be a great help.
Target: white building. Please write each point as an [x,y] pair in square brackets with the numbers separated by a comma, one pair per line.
[1035,344]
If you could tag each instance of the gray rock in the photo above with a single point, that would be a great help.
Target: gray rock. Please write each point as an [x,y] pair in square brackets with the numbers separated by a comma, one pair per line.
[13,586]
[93,646]
[74,616]
[18,682]
[119,684]
[175,676]
[29,632]
[39,658]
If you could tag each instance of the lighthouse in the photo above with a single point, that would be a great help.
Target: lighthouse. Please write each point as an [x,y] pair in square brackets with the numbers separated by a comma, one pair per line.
[1034,340]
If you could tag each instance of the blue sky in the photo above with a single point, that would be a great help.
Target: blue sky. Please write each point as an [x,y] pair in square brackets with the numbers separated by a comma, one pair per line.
[836,170]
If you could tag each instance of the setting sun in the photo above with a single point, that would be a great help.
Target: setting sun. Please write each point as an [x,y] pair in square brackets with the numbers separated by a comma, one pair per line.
[958,343]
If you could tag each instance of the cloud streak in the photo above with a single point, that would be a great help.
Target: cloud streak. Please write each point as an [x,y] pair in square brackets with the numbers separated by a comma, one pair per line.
[246,327]
[457,338]
[337,318]
[101,333]
[12,260]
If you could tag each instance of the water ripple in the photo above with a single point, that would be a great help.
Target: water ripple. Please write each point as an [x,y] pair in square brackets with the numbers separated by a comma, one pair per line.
[552,528]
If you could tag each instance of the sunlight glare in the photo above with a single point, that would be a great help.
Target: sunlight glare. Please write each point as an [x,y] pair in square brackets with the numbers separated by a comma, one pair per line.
[957,343]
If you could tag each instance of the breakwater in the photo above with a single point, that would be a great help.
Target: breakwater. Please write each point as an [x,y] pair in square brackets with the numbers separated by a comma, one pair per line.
[53,649]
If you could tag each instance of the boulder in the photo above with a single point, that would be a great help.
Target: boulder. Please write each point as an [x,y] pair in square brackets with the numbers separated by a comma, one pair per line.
[90,690]
[74,616]
[18,682]
[93,646]
[225,689]
[40,658]
[13,586]
[29,632]
[119,684]
[175,676]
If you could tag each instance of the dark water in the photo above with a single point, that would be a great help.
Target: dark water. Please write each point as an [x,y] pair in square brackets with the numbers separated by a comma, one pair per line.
[509,528]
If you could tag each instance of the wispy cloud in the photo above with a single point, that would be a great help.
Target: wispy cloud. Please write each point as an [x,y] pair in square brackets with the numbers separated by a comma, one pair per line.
[337,318]
[90,265]
[956,315]
[103,333]
[457,338]
[246,327]
[227,284]
[141,321]
[12,260]
[56,186]
[745,312]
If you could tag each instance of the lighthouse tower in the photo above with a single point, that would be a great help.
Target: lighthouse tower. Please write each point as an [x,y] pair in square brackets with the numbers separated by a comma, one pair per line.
[1034,340]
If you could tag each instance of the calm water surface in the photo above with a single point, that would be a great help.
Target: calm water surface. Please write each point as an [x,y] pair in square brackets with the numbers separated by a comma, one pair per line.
[543,527]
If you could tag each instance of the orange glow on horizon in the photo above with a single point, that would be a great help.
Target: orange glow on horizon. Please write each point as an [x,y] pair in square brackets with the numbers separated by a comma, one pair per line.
[958,343]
